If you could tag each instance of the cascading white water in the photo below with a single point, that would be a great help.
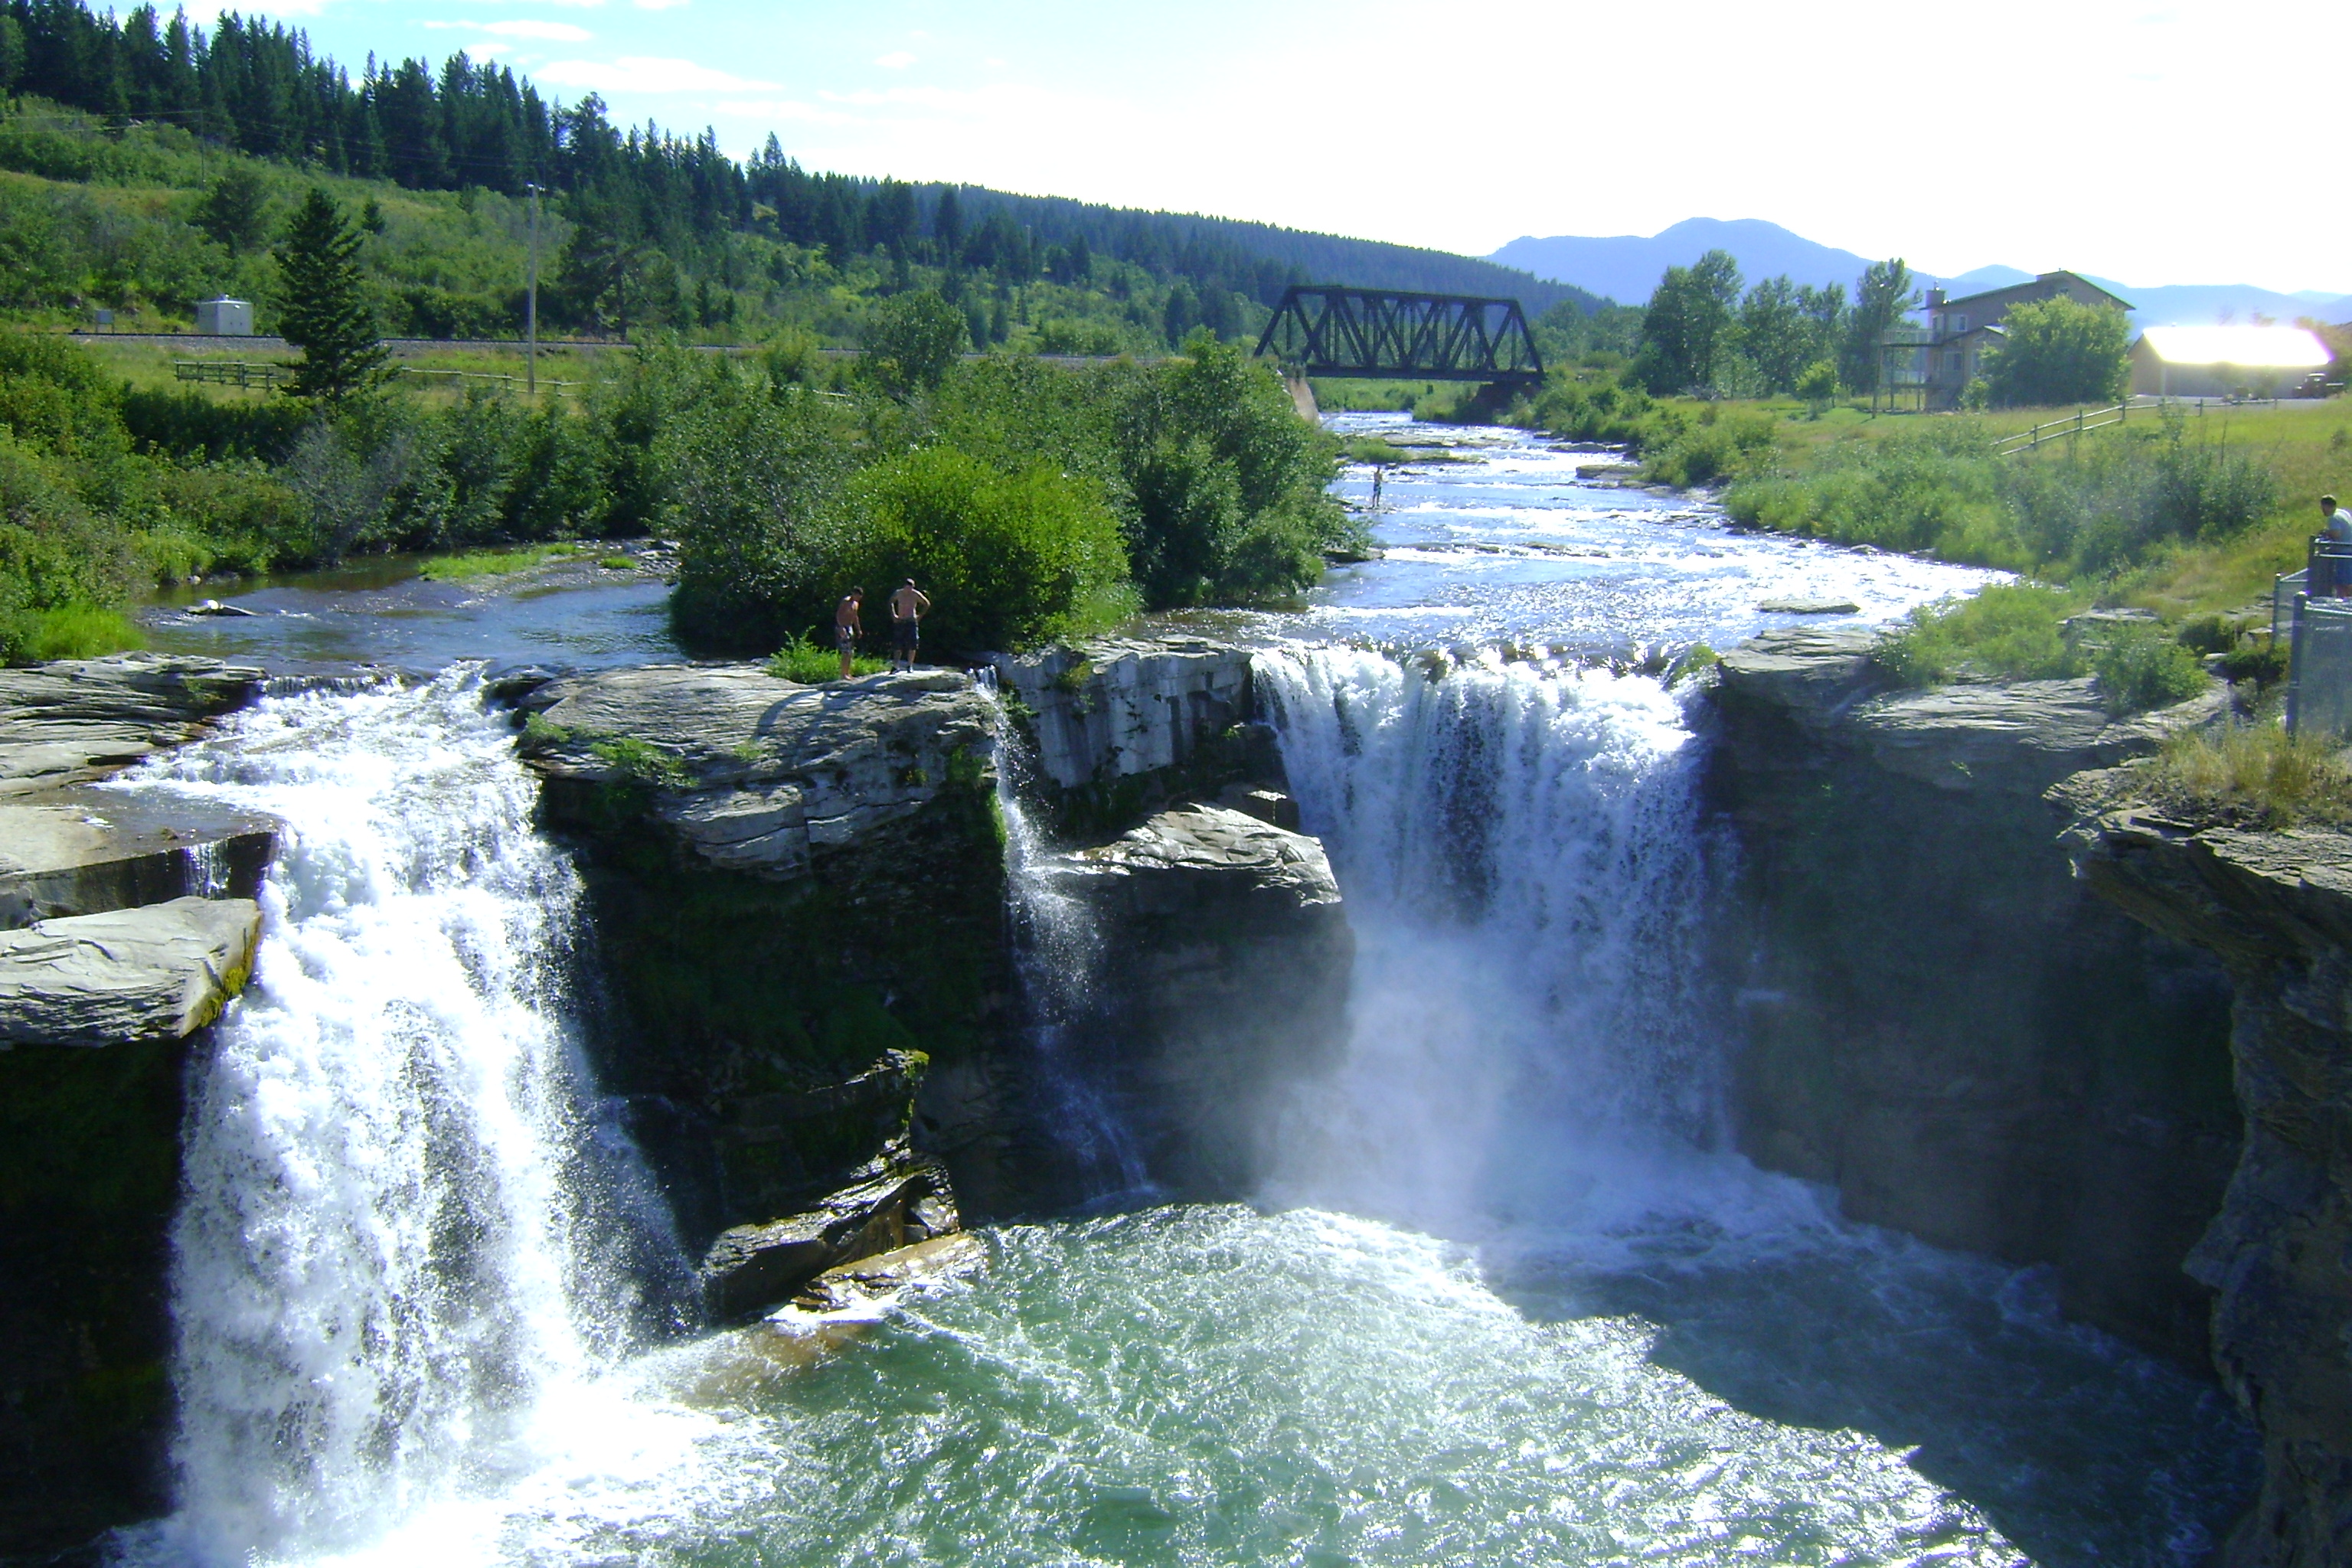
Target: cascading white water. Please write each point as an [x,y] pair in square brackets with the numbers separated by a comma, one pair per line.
[1056,950]
[393,1242]
[1521,852]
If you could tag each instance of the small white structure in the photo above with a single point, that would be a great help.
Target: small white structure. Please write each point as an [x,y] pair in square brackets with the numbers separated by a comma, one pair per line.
[2222,362]
[225,318]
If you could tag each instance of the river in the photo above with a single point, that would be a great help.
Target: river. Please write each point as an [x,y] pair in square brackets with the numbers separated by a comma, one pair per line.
[1510,1300]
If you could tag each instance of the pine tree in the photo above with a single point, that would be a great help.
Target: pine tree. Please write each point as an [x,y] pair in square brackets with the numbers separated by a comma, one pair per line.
[325,311]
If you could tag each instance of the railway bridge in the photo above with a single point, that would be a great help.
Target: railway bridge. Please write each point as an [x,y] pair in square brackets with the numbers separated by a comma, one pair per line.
[1322,330]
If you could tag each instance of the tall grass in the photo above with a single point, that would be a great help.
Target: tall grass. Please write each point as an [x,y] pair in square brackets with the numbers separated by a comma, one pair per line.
[2255,774]
[70,631]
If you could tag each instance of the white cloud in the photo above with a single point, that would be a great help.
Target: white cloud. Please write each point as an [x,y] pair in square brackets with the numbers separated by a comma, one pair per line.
[785,108]
[647,73]
[659,5]
[553,32]
[896,60]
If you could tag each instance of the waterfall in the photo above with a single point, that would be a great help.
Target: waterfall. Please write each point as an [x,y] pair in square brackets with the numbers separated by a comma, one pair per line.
[1056,953]
[403,1223]
[1520,848]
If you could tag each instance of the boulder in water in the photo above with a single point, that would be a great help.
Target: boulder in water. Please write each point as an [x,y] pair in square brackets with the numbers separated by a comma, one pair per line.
[81,851]
[158,972]
[750,772]
[1125,726]
[903,1197]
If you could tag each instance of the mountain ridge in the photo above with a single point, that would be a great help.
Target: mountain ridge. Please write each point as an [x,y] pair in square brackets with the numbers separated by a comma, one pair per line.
[1625,268]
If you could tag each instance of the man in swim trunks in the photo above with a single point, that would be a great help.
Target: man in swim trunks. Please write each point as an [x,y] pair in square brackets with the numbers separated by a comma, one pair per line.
[907,607]
[845,629]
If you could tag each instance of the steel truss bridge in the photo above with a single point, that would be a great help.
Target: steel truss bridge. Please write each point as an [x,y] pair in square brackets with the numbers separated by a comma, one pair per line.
[1322,330]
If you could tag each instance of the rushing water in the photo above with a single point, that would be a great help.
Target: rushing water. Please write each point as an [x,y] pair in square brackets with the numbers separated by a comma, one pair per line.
[1510,1300]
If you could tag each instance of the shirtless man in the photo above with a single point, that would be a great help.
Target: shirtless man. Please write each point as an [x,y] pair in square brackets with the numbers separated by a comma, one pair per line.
[907,607]
[845,629]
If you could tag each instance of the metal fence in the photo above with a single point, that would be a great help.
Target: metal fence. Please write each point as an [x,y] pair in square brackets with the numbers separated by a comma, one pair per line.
[2319,671]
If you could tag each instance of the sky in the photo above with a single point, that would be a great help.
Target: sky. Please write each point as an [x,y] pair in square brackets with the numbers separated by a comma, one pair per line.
[2155,141]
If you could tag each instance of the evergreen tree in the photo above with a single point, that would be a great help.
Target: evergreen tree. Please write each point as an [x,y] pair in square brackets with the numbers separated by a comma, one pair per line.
[324,309]
[235,211]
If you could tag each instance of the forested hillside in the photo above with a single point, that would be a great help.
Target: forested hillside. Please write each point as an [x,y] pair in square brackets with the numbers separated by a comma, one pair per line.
[156,160]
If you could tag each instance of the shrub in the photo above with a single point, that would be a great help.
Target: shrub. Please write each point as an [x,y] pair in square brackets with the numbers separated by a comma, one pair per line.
[1227,482]
[2138,667]
[2006,631]
[1716,447]
[1009,561]
[807,663]
[2059,351]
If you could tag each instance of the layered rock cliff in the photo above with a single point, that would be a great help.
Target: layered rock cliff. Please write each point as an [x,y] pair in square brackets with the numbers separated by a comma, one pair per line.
[1223,987]
[1935,1018]
[122,934]
[797,897]
[2276,909]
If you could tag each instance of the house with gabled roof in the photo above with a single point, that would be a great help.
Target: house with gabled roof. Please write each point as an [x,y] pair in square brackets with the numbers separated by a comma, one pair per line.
[1960,332]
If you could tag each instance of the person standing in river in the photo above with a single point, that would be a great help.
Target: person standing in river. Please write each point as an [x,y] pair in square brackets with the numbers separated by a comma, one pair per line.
[908,606]
[846,628]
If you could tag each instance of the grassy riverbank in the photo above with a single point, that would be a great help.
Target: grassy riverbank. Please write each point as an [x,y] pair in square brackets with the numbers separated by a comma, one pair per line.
[2181,511]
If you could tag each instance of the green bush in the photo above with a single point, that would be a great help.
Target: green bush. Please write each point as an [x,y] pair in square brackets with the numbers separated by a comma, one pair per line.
[1715,448]
[1227,482]
[1008,561]
[1596,407]
[2005,632]
[811,664]
[2138,668]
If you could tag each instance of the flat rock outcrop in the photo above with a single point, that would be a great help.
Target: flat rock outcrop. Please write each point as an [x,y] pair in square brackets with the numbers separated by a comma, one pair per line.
[1220,985]
[76,719]
[82,851]
[2276,909]
[749,772]
[1935,1016]
[129,976]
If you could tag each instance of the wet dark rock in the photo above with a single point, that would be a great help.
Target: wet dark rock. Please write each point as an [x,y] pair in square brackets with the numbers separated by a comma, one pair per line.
[1223,986]
[2276,909]
[791,885]
[902,1197]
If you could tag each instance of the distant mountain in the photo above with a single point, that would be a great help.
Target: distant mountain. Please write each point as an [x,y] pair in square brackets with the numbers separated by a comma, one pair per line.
[1626,268]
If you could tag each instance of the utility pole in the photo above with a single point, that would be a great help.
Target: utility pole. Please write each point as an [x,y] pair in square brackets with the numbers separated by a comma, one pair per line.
[530,307]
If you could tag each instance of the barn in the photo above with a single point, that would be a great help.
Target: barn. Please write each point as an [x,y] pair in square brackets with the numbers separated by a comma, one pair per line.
[2227,362]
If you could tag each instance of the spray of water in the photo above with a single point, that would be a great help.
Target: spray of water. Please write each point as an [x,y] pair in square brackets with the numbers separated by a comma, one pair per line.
[1521,852]
[398,1236]
[1057,953]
